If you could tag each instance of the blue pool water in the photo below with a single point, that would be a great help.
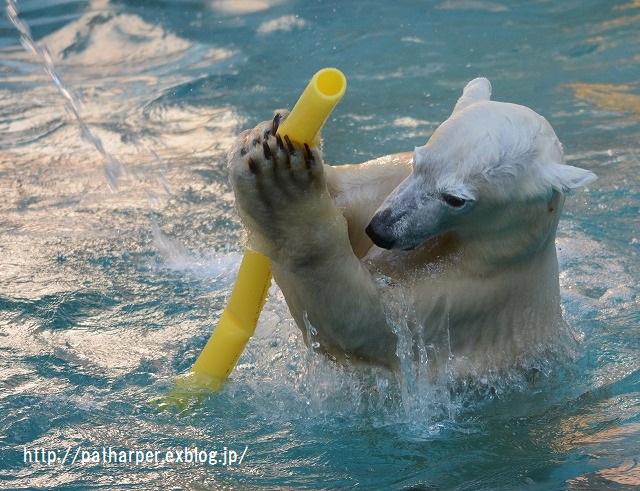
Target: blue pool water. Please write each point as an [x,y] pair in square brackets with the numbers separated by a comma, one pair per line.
[110,283]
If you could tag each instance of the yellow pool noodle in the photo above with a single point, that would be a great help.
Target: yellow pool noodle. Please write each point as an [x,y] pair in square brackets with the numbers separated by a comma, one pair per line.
[312,110]
[240,317]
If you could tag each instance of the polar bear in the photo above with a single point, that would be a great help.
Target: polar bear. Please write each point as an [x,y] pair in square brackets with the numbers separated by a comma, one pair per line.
[464,228]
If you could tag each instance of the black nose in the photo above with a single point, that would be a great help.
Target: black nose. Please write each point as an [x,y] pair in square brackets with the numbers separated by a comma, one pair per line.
[376,233]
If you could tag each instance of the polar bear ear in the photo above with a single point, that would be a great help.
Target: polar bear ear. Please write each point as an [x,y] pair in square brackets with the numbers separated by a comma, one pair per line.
[479,89]
[566,177]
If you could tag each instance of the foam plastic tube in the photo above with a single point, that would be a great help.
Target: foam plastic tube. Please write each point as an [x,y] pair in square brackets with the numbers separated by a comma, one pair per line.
[237,322]
[312,110]
[240,317]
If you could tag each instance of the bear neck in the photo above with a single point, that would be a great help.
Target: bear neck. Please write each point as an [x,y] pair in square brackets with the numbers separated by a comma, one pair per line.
[525,236]
[497,297]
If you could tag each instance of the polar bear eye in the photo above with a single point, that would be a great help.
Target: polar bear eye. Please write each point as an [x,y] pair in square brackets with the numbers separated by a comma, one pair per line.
[453,201]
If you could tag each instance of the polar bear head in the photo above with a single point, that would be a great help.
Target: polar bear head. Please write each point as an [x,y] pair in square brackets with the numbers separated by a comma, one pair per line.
[486,159]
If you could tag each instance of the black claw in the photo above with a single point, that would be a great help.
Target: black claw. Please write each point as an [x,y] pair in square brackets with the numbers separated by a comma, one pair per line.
[256,142]
[243,152]
[308,157]
[253,167]
[279,142]
[265,135]
[277,119]
[267,150]
[290,146]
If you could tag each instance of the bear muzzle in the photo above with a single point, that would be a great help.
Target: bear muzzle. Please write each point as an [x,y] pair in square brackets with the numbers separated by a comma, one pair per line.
[379,232]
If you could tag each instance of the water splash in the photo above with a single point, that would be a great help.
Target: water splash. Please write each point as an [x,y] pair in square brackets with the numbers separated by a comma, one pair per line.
[172,255]
[309,385]
[113,168]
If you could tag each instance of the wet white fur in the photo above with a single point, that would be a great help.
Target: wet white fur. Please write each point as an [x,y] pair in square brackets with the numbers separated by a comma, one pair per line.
[481,278]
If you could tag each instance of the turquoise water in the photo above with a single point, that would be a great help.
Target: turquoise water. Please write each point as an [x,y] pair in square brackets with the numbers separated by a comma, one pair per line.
[111,282]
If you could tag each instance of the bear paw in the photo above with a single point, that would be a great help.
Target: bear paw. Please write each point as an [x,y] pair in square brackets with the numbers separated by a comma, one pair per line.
[276,181]
[272,162]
